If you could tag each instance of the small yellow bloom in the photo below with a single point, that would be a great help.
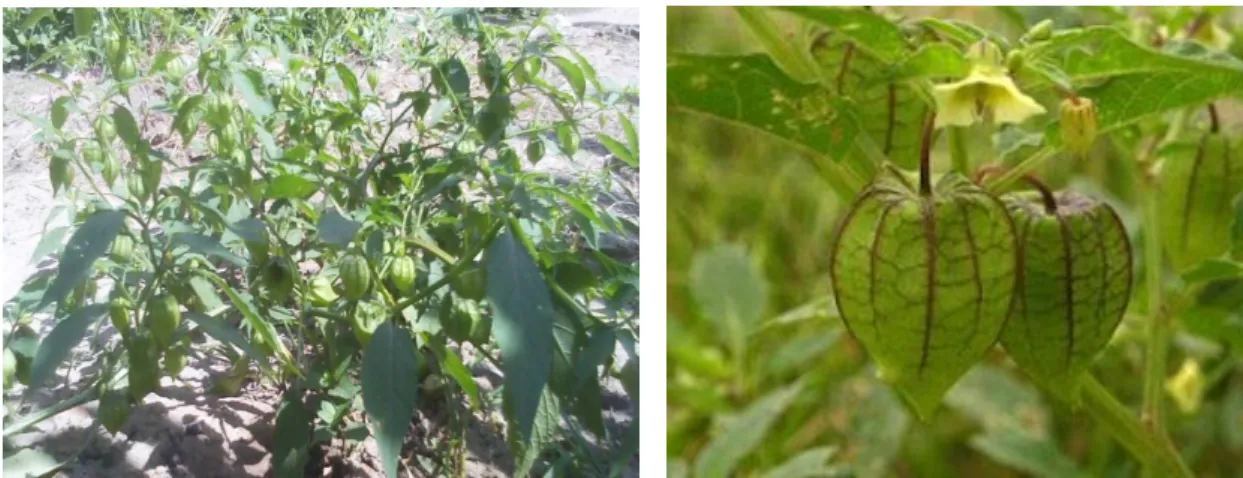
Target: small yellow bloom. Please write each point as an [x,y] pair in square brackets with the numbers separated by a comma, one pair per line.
[1187,387]
[988,89]
[1214,37]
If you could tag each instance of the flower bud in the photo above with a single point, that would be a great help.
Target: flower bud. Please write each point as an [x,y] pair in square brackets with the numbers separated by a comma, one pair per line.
[1079,125]
[985,53]
[1187,387]
[1039,32]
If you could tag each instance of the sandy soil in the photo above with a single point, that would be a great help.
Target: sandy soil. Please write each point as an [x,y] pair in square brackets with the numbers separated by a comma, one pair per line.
[183,431]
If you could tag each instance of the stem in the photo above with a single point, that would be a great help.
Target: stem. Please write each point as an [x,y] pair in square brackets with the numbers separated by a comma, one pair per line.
[1214,122]
[958,150]
[1046,195]
[1148,448]
[925,157]
[1157,338]
[1012,175]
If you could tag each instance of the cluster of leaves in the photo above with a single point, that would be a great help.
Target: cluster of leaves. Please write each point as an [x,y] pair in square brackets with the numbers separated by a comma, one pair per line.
[343,255]
[72,37]
[841,92]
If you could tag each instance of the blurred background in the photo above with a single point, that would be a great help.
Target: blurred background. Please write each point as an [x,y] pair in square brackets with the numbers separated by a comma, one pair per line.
[750,224]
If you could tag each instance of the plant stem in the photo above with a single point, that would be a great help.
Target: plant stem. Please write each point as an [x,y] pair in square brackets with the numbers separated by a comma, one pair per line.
[1012,175]
[925,157]
[1150,449]
[1157,333]
[958,150]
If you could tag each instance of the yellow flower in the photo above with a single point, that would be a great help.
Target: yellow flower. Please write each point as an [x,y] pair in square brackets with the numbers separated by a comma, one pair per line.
[1214,36]
[988,89]
[1187,387]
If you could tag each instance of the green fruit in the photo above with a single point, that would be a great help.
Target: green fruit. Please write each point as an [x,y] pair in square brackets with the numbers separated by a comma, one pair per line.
[403,273]
[10,368]
[1198,182]
[471,283]
[122,251]
[134,183]
[278,276]
[490,70]
[366,319]
[1073,287]
[144,360]
[163,318]
[119,311]
[321,291]
[535,150]
[925,281]
[127,69]
[457,317]
[152,172]
[111,169]
[481,329]
[60,172]
[93,155]
[373,79]
[105,130]
[175,360]
[355,276]
[112,47]
[114,409]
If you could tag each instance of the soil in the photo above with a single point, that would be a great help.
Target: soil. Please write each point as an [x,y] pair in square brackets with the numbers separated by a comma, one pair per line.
[184,431]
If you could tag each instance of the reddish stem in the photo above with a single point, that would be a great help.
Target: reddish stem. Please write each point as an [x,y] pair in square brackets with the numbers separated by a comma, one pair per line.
[925,156]
[1046,195]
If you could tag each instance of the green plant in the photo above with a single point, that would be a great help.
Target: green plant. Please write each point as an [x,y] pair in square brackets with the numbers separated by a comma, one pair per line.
[795,164]
[292,172]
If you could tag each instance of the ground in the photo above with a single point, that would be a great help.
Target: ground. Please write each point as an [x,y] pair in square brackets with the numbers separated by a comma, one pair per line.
[183,431]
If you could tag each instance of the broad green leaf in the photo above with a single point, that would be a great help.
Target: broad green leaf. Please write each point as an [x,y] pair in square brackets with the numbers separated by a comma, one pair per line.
[935,60]
[35,15]
[876,421]
[543,434]
[60,111]
[632,136]
[994,399]
[181,123]
[249,83]
[452,365]
[808,464]
[1231,416]
[959,32]
[522,324]
[1216,323]
[619,150]
[451,78]
[390,394]
[1198,182]
[870,30]
[211,247]
[1021,451]
[573,74]
[436,112]
[1213,269]
[292,437]
[126,127]
[799,351]
[795,61]
[51,242]
[588,71]
[291,186]
[90,242]
[730,289]
[1236,232]
[58,344]
[337,229]
[30,463]
[257,323]
[226,333]
[736,436]
[83,20]
[349,80]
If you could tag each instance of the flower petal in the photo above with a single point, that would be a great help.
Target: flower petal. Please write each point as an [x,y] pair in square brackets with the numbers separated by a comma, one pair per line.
[1009,105]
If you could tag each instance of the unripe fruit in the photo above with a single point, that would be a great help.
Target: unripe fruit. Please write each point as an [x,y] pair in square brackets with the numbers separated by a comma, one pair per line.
[355,276]
[134,183]
[1198,182]
[470,283]
[373,79]
[175,360]
[127,69]
[403,273]
[366,319]
[144,361]
[122,251]
[152,172]
[111,169]
[114,410]
[1078,124]
[1073,287]
[481,329]
[455,318]
[118,312]
[112,47]
[105,130]
[163,318]
[60,172]
[321,291]
[93,155]
[535,150]
[925,281]
[278,276]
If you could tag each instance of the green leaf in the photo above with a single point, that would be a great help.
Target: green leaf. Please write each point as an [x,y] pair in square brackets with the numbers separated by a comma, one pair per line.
[126,127]
[572,73]
[436,112]
[211,247]
[349,80]
[738,435]
[619,150]
[994,399]
[543,434]
[389,392]
[58,344]
[808,464]
[30,463]
[249,83]
[51,242]
[337,229]
[568,139]
[874,425]
[452,365]
[730,289]
[35,15]
[795,61]
[292,437]
[60,111]
[1026,453]
[1214,269]
[90,242]
[291,186]
[1215,323]
[632,136]
[181,123]
[260,326]
[451,78]
[935,60]
[83,21]
[870,30]
[226,333]
[960,32]
[522,324]
[1236,232]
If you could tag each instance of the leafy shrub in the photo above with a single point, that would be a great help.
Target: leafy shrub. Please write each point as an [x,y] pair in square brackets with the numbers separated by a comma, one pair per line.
[339,242]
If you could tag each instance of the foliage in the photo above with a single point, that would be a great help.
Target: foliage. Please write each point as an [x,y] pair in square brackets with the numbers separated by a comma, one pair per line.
[327,233]
[780,117]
